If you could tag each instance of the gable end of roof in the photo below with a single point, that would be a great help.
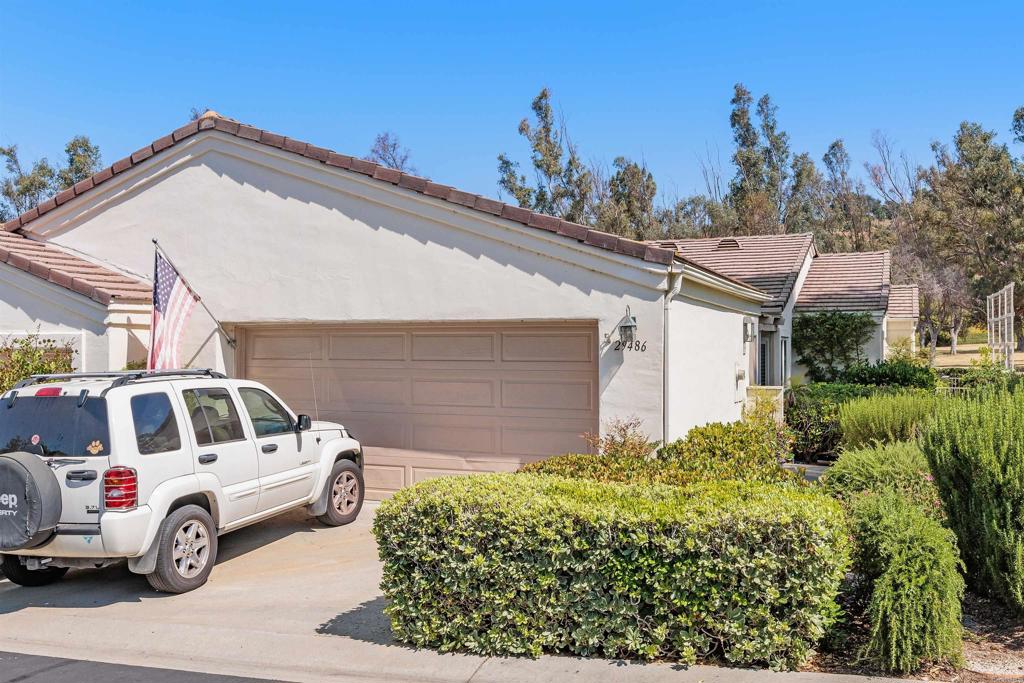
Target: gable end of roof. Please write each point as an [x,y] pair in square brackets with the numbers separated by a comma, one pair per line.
[211,121]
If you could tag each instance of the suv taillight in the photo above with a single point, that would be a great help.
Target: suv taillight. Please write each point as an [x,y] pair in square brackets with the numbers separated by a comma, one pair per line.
[120,488]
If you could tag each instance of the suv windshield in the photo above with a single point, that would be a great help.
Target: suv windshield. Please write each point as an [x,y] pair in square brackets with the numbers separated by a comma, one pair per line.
[54,426]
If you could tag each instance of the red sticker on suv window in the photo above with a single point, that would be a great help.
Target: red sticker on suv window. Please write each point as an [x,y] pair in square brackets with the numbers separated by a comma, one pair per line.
[35,439]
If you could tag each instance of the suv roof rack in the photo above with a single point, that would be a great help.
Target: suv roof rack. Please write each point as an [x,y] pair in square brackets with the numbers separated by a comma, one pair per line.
[120,378]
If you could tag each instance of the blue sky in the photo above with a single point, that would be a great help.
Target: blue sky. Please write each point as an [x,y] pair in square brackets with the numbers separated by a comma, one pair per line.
[649,81]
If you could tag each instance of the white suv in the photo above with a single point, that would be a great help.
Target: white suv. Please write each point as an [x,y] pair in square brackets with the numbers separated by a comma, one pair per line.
[152,467]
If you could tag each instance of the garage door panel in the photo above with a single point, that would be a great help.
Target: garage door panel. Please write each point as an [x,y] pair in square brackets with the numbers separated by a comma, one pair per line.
[454,438]
[540,442]
[287,347]
[541,394]
[466,393]
[385,347]
[362,392]
[433,399]
[547,347]
[460,347]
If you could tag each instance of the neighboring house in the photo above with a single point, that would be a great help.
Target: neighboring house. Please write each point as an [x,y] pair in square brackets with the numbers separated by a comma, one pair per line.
[903,314]
[776,264]
[72,300]
[853,282]
[450,331]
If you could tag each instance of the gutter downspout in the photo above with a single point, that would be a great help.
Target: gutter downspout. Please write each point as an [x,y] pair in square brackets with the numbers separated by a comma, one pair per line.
[675,284]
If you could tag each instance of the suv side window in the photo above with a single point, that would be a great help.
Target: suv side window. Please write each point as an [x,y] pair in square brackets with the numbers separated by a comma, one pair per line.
[267,415]
[213,415]
[156,428]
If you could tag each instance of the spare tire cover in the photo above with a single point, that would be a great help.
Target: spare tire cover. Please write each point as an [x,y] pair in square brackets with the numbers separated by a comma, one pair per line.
[30,503]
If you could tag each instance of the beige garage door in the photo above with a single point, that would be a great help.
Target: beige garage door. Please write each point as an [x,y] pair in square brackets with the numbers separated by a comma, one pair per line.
[434,399]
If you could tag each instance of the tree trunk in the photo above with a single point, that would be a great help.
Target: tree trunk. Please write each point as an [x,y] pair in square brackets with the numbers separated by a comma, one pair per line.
[933,340]
[954,332]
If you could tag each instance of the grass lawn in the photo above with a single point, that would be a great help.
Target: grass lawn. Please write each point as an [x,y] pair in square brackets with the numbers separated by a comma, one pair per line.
[965,354]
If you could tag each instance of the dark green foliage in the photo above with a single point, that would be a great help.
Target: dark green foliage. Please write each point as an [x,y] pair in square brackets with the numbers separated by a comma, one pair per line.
[829,341]
[975,447]
[897,467]
[885,418]
[812,414]
[896,373]
[747,451]
[912,563]
[513,564]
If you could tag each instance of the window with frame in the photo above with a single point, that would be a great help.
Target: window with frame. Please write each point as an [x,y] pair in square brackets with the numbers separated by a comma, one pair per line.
[156,428]
[213,415]
[267,415]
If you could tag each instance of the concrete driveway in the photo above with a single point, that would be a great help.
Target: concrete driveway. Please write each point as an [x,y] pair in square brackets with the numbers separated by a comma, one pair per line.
[288,600]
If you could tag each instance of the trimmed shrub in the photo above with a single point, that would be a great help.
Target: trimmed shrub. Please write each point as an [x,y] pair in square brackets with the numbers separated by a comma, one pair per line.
[898,467]
[975,447]
[812,413]
[884,418]
[743,451]
[892,372]
[913,565]
[512,564]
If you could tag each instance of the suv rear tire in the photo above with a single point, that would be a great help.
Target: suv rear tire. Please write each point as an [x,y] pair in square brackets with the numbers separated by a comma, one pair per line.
[18,573]
[186,552]
[344,494]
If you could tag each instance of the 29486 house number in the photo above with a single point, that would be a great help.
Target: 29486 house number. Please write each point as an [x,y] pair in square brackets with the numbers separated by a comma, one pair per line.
[635,345]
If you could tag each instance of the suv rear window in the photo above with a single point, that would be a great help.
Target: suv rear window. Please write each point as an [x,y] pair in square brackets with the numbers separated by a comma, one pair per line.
[55,426]
[156,429]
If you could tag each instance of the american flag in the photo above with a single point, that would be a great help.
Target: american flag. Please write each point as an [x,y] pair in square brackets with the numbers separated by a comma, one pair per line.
[173,302]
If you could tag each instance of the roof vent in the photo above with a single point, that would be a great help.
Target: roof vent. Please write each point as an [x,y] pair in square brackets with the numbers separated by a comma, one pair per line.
[728,243]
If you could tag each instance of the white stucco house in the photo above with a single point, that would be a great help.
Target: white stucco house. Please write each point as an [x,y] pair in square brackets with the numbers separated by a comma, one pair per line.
[451,332]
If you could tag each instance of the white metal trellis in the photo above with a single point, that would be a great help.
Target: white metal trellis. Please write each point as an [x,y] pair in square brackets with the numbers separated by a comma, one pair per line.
[1000,326]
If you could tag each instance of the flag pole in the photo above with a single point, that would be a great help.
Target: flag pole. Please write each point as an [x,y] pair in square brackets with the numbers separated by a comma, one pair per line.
[220,328]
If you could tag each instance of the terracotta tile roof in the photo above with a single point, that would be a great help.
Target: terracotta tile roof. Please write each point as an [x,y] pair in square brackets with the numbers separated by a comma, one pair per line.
[904,301]
[770,263]
[856,281]
[213,121]
[71,272]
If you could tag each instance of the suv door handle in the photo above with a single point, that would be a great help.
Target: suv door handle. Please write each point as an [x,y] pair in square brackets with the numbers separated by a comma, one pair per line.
[269,447]
[207,459]
[81,475]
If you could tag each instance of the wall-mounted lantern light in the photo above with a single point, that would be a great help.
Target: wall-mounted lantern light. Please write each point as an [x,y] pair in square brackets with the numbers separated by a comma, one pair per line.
[749,330]
[627,328]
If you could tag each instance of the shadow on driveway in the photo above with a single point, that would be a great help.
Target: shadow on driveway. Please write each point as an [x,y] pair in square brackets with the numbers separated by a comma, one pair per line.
[367,623]
[116,584]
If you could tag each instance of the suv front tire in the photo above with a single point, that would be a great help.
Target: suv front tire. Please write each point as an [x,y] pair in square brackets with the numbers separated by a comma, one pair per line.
[187,551]
[344,494]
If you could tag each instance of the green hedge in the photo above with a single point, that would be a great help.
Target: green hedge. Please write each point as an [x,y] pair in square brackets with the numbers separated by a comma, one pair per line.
[745,450]
[912,564]
[884,418]
[513,564]
[892,372]
[898,467]
[975,447]
[812,413]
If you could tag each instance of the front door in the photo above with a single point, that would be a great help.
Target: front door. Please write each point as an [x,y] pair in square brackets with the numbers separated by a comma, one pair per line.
[221,446]
[288,459]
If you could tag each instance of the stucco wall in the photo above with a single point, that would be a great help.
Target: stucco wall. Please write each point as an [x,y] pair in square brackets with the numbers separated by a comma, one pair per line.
[706,332]
[902,328]
[266,237]
[786,327]
[29,305]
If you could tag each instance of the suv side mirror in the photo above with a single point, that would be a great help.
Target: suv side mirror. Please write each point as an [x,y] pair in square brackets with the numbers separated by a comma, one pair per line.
[304,424]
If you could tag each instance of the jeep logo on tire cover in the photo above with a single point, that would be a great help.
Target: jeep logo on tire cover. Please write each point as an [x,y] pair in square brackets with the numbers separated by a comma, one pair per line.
[8,504]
